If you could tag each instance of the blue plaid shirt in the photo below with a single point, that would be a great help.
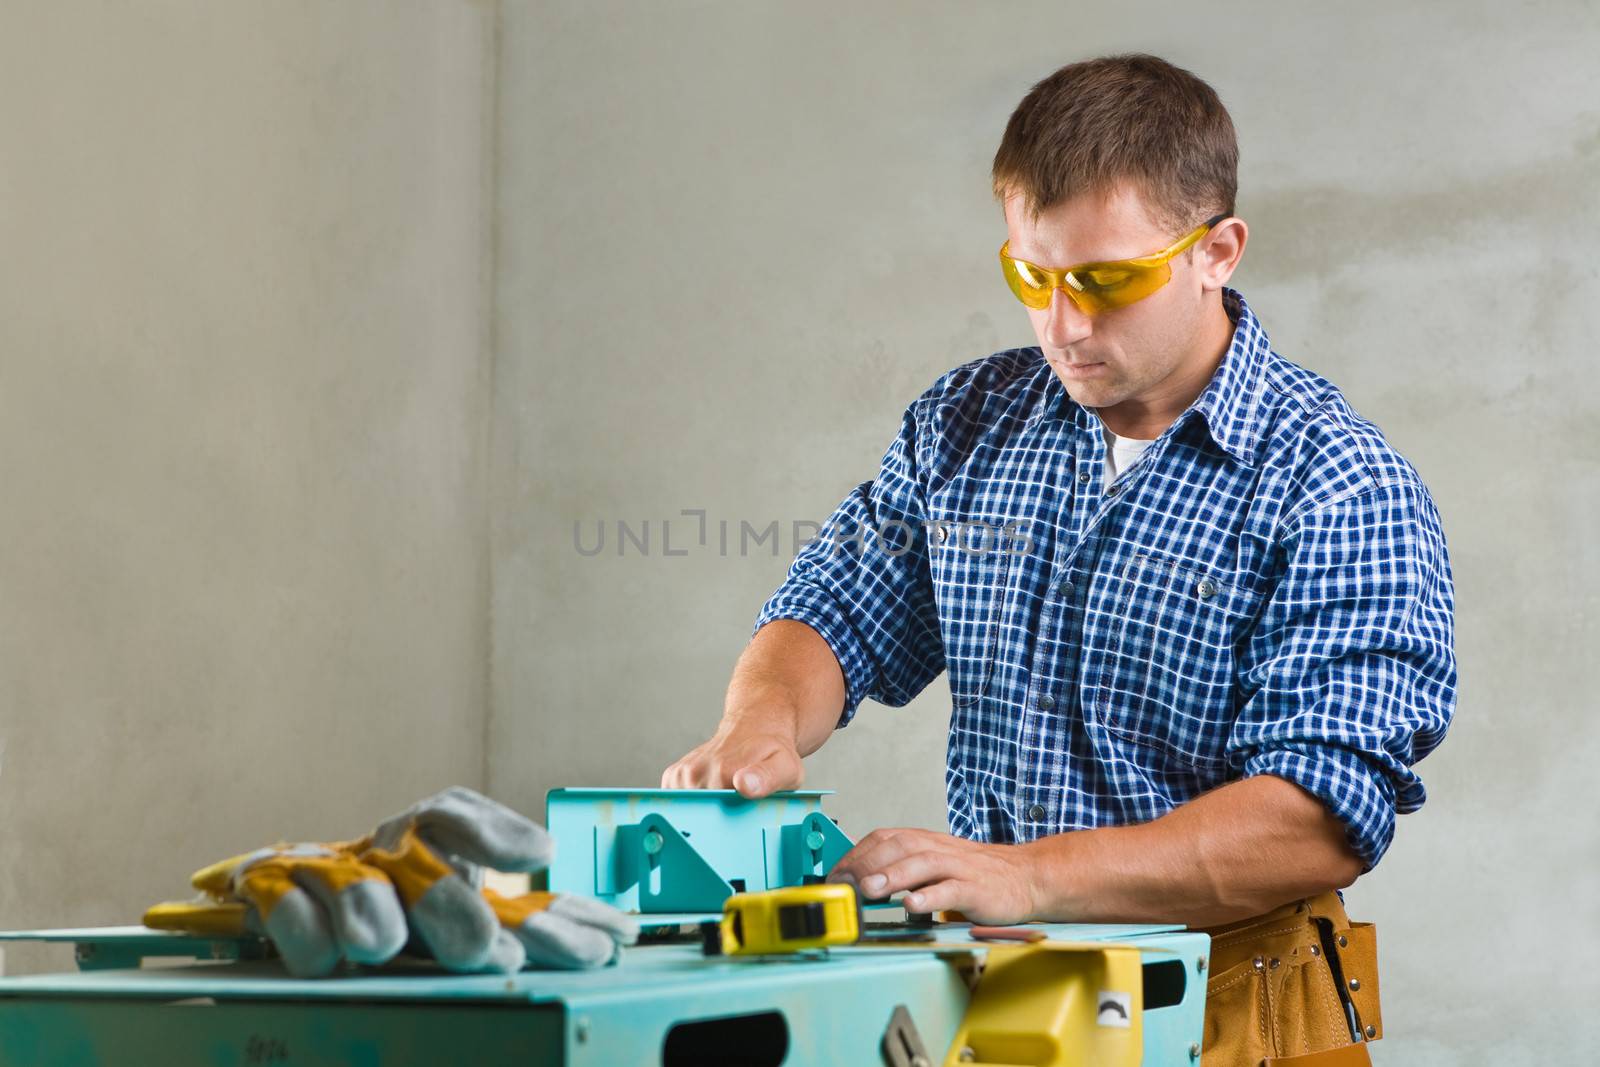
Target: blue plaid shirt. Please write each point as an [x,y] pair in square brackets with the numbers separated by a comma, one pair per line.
[1267,591]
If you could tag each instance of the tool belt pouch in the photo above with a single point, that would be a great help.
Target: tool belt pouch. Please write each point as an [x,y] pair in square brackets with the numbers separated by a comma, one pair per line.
[1276,999]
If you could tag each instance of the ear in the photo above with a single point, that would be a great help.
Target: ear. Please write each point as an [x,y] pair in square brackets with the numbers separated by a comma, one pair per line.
[1218,253]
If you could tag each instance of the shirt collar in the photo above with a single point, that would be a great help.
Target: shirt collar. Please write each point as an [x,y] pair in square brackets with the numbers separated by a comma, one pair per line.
[1227,405]
[1231,401]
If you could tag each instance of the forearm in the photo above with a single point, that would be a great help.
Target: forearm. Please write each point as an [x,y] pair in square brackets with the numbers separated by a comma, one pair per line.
[1230,854]
[787,679]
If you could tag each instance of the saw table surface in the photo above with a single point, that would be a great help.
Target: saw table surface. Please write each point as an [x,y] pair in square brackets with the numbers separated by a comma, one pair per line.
[663,1003]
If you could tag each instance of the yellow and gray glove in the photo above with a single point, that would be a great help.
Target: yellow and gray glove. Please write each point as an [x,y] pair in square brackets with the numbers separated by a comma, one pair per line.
[416,879]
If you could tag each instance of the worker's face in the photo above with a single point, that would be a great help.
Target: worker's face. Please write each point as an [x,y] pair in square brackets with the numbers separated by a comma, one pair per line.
[1131,354]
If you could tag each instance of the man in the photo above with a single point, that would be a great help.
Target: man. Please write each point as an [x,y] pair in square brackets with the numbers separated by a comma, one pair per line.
[1196,612]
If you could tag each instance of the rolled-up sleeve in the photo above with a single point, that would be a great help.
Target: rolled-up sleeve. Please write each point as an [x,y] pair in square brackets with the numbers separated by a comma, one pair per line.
[1350,674]
[864,585]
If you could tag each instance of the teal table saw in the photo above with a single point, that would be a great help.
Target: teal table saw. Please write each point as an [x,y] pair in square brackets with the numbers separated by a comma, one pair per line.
[1101,994]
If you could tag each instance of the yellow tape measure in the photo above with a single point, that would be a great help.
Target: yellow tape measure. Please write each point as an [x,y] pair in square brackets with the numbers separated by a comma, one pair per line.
[790,920]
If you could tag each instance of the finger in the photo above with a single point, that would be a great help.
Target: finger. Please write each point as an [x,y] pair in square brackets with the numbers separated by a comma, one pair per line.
[845,871]
[686,773]
[707,773]
[554,940]
[209,918]
[216,881]
[299,927]
[717,772]
[914,871]
[449,916]
[294,920]
[875,852]
[363,909]
[619,925]
[781,769]
[455,924]
[847,867]
[753,782]
[464,823]
[949,895]
[677,774]
[564,930]
[507,956]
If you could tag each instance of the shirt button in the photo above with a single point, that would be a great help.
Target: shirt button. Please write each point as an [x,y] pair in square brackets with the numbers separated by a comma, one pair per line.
[1083,477]
[1036,812]
[1207,589]
[1113,489]
[1065,588]
[1047,702]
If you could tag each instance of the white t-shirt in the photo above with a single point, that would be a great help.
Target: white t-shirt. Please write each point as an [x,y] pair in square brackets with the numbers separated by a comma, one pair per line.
[1122,453]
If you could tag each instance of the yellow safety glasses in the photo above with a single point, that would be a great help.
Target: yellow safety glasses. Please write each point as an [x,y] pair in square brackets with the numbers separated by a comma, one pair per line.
[1097,287]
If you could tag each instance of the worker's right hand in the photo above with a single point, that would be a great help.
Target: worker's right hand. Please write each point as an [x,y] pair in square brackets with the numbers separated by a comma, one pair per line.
[754,759]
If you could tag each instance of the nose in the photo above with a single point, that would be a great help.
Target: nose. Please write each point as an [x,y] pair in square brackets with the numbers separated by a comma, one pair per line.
[1064,325]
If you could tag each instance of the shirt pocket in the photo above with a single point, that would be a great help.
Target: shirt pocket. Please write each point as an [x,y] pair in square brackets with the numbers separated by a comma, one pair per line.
[969,580]
[1169,676]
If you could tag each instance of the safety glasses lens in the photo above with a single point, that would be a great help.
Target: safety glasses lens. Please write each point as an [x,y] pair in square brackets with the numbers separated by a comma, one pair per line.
[1027,285]
[1120,286]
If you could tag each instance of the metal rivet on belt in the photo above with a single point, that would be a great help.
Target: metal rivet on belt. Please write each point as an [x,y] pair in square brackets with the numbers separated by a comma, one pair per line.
[1372,1032]
[1259,963]
[1315,951]
[1274,963]
[1342,942]
[1355,983]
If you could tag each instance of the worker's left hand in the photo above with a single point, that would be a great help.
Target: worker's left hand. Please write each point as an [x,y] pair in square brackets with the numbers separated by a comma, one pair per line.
[991,884]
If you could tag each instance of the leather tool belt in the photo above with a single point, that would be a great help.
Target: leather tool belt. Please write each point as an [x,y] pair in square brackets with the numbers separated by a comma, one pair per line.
[1296,987]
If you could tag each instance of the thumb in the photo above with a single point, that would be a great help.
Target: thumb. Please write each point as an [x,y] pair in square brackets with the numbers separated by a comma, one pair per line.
[463,823]
[780,770]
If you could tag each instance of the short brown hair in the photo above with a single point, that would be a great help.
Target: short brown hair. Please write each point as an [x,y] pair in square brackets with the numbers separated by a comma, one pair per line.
[1133,117]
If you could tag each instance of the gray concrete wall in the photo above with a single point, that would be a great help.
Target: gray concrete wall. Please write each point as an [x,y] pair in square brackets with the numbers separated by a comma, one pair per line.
[1420,182]
[249,541]
[243,391]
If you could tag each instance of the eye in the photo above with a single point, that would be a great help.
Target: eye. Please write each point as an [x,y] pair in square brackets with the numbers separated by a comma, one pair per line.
[1107,279]
[1028,273]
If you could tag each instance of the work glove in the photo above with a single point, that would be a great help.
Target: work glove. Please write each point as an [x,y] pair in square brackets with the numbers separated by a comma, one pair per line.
[415,880]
